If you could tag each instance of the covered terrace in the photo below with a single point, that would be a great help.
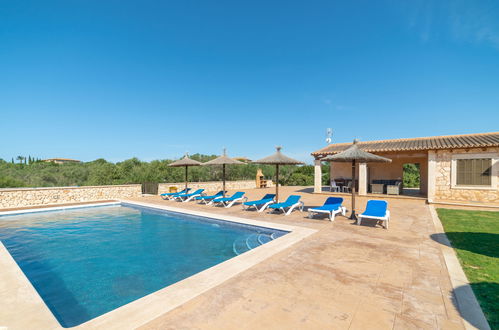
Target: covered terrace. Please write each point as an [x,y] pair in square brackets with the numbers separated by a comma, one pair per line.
[374,178]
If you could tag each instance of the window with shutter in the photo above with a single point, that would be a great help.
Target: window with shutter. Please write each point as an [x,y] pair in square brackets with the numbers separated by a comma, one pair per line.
[474,172]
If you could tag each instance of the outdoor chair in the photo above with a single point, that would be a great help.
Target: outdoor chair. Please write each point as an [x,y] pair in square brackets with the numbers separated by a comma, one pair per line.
[347,188]
[229,201]
[377,210]
[290,204]
[377,188]
[331,207]
[260,205]
[171,196]
[334,187]
[187,197]
[209,199]
[394,189]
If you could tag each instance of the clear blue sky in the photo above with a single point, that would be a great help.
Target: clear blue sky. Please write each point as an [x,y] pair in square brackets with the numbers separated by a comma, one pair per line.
[153,79]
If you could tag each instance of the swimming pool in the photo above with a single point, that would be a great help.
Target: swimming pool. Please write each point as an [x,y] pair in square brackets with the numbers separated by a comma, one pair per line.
[85,262]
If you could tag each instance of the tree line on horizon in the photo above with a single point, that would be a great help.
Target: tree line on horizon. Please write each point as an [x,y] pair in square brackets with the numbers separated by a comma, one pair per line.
[32,172]
[26,160]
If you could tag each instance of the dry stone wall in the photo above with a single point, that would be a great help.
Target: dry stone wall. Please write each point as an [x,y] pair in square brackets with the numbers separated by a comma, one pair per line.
[26,197]
[212,186]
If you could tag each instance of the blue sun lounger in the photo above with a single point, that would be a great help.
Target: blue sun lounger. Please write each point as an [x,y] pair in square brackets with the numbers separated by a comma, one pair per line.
[209,199]
[262,203]
[188,197]
[291,203]
[377,210]
[172,195]
[331,207]
[229,201]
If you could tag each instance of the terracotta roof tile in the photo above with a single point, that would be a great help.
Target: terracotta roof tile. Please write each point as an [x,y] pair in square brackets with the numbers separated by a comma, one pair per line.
[479,140]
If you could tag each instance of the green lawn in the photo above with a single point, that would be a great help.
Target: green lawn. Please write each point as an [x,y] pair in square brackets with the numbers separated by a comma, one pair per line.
[475,237]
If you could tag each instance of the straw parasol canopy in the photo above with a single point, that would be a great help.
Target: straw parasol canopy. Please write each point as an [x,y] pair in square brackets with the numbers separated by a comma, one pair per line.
[185,162]
[354,154]
[223,160]
[278,159]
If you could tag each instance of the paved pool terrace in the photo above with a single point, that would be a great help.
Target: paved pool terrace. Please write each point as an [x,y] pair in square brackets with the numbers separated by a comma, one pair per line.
[341,276]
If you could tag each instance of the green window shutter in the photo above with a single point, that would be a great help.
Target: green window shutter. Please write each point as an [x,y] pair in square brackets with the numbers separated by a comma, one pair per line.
[469,171]
[478,172]
[474,172]
[460,172]
[486,171]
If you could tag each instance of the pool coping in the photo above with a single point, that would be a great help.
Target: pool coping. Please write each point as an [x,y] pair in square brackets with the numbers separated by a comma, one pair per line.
[466,301]
[17,294]
[56,208]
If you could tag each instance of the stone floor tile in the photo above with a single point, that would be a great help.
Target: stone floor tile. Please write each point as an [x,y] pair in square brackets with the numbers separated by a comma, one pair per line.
[372,317]
[407,323]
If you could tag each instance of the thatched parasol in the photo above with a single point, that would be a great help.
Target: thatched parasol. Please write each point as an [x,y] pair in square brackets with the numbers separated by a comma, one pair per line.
[277,159]
[223,160]
[186,162]
[354,154]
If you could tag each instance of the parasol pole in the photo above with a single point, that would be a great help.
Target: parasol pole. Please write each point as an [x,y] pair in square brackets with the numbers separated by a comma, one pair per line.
[277,183]
[353,216]
[223,176]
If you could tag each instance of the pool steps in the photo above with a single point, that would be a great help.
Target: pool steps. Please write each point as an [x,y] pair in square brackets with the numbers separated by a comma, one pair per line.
[244,244]
[264,239]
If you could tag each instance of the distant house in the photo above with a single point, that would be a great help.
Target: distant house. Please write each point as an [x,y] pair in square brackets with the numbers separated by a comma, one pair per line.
[242,159]
[458,168]
[62,160]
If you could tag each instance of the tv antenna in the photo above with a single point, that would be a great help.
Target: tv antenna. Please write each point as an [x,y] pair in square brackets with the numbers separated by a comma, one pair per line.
[329,134]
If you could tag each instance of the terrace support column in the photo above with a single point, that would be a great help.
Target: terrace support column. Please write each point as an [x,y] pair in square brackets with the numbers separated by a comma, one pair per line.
[362,179]
[317,176]
[432,167]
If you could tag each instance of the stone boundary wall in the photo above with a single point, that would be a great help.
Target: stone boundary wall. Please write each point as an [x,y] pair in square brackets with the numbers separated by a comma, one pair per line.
[25,197]
[443,185]
[212,186]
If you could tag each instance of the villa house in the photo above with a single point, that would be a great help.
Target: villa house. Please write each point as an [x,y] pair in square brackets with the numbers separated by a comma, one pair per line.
[61,160]
[460,169]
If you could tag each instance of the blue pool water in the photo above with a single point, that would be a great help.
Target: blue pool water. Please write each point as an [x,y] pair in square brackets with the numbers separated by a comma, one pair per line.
[88,261]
